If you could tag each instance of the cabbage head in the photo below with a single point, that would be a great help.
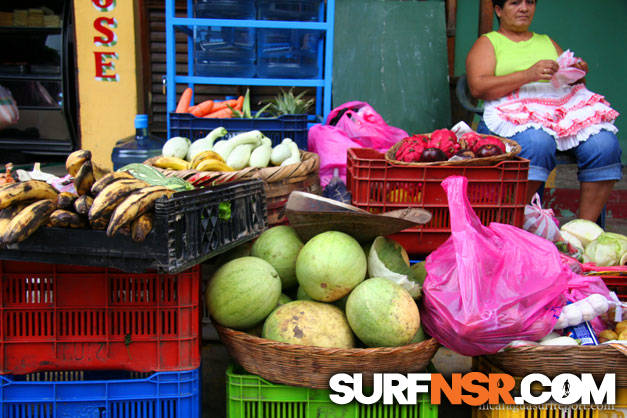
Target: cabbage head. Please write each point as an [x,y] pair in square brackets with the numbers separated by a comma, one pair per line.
[608,249]
[586,231]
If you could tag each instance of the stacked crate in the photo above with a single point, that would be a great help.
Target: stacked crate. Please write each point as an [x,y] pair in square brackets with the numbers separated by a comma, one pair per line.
[96,342]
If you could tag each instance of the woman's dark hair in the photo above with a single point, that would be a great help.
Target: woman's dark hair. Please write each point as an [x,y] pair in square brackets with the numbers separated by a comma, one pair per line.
[500,3]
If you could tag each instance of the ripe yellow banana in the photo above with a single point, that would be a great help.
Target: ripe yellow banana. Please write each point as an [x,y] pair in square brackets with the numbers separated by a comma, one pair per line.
[211,164]
[27,190]
[141,227]
[111,196]
[99,223]
[65,200]
[84,179]
[64,219]
[28,220]
[82,204]
[8,213]
[75,161]
[172,163]
[204,156]
[135,205]
[108,179]
[99,172]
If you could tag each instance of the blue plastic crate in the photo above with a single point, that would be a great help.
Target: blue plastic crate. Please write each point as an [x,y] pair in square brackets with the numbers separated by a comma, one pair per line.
[290,126]
[101,394]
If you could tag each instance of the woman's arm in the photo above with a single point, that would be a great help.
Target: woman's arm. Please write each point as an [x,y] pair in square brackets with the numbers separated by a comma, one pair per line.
[482,82]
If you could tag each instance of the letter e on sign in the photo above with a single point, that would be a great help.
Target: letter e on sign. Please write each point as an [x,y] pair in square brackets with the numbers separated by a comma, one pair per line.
[103,64]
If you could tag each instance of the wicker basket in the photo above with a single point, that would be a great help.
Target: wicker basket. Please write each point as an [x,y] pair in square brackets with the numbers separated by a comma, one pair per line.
[312,367]
[553,360]
[279,181]
[514,147]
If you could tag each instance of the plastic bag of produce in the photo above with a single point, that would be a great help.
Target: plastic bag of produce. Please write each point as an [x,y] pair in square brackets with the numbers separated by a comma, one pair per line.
[351,125]
[541,222]
[488,286]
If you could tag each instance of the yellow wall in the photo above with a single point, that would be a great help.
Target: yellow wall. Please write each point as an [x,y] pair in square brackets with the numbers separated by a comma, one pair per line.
[109,93]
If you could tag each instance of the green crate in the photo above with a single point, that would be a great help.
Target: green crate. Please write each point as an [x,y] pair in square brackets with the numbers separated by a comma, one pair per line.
[250,396]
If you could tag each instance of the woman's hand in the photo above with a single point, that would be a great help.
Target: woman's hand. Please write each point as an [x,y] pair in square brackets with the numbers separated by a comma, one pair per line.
[581,64]
[543,70]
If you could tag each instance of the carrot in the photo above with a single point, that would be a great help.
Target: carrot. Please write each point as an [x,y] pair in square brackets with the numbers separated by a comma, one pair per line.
[239,103]
[222,113]
[223,105]
[184,101]
[203,108]
[191,109]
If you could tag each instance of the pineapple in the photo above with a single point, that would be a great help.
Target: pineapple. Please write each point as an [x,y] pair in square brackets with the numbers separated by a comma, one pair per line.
[286,103]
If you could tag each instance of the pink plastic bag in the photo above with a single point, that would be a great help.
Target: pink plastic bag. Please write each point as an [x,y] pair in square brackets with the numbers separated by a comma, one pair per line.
[351,125]
[331,144]
[541,222]
[488,286]
[567,74]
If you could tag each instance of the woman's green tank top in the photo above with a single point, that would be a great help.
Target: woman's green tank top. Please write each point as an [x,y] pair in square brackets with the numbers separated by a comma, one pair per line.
[517,56]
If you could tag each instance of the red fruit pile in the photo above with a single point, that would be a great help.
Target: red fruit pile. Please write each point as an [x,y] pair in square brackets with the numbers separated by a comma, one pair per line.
[443,144]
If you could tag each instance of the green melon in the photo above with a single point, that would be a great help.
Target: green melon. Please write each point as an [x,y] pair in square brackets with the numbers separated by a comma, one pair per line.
[283,299]
[243,292]
[330,265]
[302,295]
[382,313]
[309,323]
[419,337]
[279,246]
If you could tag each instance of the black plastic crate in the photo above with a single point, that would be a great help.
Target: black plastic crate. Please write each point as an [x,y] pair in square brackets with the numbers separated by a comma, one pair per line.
[188,228]
[285,126]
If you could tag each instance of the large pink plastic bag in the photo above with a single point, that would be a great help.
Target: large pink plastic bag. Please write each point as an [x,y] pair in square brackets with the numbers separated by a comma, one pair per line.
[352,125]
[567,73]
[331,144]
[364,125]
[488,286]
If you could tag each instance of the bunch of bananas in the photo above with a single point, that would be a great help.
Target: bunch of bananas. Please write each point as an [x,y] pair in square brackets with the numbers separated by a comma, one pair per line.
[203,161]
[116,202]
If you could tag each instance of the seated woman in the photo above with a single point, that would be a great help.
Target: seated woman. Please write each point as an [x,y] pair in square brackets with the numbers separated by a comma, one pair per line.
[510,69]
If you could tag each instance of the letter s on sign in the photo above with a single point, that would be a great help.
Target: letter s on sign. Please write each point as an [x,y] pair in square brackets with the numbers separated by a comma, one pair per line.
[339,384]
[109,36]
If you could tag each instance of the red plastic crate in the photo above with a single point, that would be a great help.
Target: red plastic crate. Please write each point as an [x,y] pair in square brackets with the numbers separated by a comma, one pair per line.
[497,193]
[615,277]
[618,284]
[61,317]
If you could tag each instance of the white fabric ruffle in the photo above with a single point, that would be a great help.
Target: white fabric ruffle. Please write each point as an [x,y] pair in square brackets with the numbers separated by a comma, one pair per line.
[570,114]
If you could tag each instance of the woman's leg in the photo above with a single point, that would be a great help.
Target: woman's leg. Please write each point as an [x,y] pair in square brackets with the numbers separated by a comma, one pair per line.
[539,148]
[599,164]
